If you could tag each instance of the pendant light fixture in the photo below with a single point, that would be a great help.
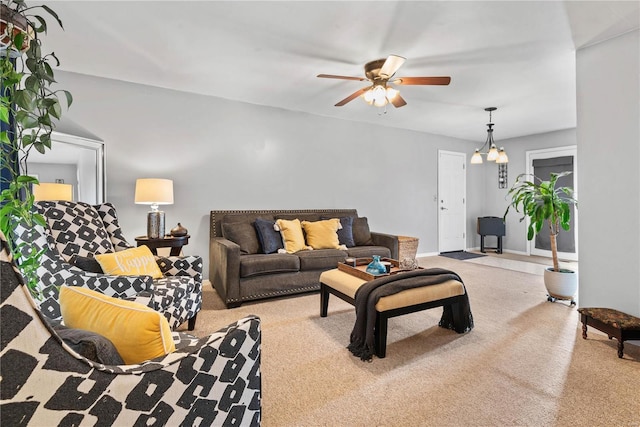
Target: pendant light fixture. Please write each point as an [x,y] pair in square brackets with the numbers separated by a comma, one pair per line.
[493,154]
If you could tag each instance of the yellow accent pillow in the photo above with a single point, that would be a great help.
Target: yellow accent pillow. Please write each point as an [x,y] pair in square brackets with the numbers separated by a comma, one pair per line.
[130,262]
[139,333]
[322,234]
[292,236]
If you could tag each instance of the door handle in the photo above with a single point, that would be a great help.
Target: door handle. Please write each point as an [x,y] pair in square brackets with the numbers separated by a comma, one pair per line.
[442,208]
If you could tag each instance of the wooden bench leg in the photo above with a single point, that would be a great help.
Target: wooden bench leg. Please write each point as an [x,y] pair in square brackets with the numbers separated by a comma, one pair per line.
[324,300]
[381,335]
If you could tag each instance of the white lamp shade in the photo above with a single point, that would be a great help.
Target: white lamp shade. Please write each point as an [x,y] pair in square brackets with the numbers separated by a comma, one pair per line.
[492,155]
[476,159]
[52,191]
[502,156]
[154,191]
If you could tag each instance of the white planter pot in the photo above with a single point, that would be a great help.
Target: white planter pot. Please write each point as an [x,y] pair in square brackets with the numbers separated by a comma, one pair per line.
[561,284]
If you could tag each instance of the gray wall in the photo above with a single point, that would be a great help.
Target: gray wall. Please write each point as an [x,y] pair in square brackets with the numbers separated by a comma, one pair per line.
[495,199]
[229,155]
[609,179]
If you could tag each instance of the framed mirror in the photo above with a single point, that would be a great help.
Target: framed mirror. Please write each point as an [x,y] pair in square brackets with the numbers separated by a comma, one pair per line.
[72,160]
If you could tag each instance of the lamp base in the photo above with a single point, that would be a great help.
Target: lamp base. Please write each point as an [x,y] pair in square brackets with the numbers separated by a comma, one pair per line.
[155,224]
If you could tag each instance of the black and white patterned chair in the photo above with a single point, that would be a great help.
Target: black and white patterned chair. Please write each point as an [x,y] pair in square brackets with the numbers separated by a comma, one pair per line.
[80,229]
[215,380]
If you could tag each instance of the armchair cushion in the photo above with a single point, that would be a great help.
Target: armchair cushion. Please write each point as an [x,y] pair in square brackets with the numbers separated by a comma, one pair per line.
[130,262]
[77,228]
[86,263]
[90,345]
[138,332]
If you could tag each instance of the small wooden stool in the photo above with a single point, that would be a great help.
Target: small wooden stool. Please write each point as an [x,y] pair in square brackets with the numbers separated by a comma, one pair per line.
[614,323]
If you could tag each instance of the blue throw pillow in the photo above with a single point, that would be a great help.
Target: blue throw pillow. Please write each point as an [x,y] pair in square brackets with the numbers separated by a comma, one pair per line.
[345,234]
[270,239]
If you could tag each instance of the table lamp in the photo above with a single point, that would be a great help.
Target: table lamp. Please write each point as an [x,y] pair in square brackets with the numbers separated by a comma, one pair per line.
[52,191]
[154,192]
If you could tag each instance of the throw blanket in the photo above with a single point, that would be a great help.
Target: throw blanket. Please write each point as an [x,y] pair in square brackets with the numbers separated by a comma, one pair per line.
[367,296]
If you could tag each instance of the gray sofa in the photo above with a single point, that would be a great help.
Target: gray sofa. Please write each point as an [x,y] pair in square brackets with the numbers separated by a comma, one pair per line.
[240,271]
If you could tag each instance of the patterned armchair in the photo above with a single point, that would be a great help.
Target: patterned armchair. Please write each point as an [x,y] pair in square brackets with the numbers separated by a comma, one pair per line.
[80,229]
[215,380]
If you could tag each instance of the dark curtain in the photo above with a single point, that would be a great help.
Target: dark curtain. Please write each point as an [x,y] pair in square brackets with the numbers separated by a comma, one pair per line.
[542,168]
[9,163]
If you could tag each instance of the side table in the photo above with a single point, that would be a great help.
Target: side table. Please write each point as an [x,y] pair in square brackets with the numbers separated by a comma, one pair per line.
[174,242]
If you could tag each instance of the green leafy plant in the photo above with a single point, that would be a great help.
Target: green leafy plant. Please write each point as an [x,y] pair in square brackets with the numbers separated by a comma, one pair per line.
[543,201]
[29,109]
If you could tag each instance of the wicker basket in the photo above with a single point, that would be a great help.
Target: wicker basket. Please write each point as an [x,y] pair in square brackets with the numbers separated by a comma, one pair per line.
[407,247]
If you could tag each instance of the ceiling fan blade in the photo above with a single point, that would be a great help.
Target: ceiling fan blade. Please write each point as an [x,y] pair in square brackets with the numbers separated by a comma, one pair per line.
[398,101]
[391,65]
[353,96]
[422,81]
[331,76]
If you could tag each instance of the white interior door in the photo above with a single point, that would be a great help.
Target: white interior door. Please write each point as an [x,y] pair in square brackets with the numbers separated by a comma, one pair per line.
[452,210]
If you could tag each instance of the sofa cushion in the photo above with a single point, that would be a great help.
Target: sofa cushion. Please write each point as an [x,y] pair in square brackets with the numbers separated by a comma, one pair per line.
[361,232]
[345,234]
[254,265]
[270,239]
[368,251]
[322,234]
[130,262]
[292,236]
[321,259]
[243,234]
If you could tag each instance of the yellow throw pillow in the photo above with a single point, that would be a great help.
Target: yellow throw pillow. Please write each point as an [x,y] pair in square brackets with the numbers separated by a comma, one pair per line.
[139,333]
[323,234]
[130,262]
[292,236]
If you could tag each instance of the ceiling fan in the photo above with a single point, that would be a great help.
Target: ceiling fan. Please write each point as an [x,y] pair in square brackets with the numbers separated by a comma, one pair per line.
[379,73]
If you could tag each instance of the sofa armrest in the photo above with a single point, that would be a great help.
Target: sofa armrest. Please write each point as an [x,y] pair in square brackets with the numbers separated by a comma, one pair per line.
[224,269]
[388,240]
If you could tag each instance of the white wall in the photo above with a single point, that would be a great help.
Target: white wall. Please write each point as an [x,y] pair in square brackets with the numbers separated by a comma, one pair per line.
[608,135]
[229,155]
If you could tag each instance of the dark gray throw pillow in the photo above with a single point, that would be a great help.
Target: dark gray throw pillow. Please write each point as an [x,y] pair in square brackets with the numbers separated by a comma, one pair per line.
[270,239]
[243,234]
[85,263]
[345,234]
[90,345]
[361,232]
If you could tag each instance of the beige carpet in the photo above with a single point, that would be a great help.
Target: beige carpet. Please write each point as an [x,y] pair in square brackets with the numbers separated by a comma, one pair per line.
[524,364]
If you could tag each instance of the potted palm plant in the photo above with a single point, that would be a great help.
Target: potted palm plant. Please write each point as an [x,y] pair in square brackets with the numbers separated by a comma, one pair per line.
[29,109]
[546,202]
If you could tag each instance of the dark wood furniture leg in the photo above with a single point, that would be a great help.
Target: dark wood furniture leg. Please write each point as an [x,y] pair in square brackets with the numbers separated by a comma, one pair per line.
[620,334]
[192,322]
[324,300]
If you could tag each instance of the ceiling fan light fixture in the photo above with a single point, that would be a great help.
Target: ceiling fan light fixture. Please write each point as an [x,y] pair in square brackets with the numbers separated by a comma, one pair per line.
[391,93]
[368,96]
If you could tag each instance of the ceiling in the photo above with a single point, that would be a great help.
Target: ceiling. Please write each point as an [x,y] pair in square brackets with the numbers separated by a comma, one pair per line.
[518,56]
